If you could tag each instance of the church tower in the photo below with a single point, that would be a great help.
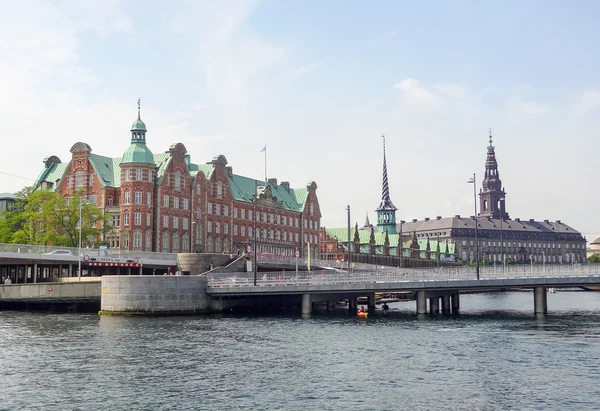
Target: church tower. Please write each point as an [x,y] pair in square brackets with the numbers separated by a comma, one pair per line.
[386,212]
[492,195]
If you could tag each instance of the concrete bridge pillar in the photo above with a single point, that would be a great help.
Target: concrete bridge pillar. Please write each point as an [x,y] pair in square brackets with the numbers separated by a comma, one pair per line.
[421,302]
[371,302]
[434,305]
[306,304]
[352,305]
[35,272]
[540,300]
[446,304]
[455,303]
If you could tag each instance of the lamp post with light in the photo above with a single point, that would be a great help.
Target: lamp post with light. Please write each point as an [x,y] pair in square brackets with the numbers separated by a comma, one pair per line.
[472,180]
[401,245]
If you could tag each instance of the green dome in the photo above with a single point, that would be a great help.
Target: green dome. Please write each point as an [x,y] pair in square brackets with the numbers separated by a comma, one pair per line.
[138,125]
[138,153]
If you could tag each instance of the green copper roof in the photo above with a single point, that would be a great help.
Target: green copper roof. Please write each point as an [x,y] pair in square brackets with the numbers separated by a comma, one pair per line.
[365,236]
[138,153]
[242,189]
[51,174]
[138,125]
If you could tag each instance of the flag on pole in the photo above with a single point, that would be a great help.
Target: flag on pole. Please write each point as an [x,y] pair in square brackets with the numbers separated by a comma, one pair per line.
[264,148]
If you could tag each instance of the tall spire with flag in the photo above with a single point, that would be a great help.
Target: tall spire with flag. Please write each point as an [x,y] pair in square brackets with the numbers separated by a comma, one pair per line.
[386,212]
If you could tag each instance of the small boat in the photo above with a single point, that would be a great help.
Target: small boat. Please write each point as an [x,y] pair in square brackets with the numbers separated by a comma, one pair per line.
[362,314]
[551,290]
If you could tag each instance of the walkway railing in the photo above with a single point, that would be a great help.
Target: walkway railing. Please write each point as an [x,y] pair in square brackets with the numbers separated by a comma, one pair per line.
[321,277]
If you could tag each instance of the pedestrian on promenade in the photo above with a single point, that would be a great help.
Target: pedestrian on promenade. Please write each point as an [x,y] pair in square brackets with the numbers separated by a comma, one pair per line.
[7,281]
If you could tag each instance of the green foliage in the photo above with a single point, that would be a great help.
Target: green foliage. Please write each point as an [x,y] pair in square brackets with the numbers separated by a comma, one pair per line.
[594,259]
[45,217]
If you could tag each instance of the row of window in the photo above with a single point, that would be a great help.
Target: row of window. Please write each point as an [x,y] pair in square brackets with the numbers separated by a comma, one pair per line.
[138,175]
[218,209]
[137,219]
[175,202]
[175,222]
[138,198]
[79,179]
[175,179]
[530,245]
[173,243]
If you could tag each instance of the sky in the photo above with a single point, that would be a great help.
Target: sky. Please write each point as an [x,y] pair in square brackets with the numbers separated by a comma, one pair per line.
[319,82]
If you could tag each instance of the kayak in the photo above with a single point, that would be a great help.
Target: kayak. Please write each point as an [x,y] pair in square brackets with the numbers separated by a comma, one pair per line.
[362,314]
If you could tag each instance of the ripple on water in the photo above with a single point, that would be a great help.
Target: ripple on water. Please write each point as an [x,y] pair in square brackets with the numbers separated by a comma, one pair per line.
[482,359]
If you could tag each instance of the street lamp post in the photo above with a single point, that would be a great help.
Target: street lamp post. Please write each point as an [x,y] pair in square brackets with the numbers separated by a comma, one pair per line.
[79,251]
[501,231]
[254,268]
[401,244]
[474,182]
[192,235]
[438,249]
[348,209]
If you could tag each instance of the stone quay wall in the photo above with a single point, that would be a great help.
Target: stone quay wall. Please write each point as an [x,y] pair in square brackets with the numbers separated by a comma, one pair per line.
[158,295]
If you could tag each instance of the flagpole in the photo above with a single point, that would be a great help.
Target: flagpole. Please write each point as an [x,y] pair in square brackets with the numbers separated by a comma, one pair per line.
[265,163]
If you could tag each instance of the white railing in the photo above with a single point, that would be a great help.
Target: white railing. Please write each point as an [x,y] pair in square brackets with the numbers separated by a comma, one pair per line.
[322,277]
[121,254]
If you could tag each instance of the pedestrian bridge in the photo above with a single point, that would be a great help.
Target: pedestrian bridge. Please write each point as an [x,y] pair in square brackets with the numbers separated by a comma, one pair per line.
[165,294]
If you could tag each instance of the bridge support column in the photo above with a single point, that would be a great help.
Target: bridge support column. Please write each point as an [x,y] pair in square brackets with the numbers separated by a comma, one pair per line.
[330,305]
[434,305]
[35,272]
[306,304]
[70,270]
[352,305]
[455,303]
[421,302]
[371,302]
[540,300]
[446,304]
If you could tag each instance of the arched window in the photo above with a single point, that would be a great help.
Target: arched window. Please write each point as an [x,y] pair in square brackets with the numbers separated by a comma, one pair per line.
[175,243]
[185,243]
[165,243]
[148,240]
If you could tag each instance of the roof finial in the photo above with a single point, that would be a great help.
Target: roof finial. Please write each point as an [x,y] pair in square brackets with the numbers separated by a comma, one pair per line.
[491,146]
[139,105]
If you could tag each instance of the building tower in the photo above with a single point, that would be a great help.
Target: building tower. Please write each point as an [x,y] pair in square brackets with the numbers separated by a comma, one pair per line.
[137,191]
[492,195]
[386,212]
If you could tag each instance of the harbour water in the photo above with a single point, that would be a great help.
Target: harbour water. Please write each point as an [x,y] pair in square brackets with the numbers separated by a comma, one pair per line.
[495,355]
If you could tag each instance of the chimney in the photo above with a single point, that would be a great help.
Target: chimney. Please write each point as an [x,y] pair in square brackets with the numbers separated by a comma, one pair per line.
[439,217]
[414,220]
[546,221]
[531,220]
[286,185]
[426,218]
[229,170]
[518,219]
[273,181]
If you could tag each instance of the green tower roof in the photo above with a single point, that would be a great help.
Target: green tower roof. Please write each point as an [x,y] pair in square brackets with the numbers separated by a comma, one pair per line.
[138,125]
[138,153]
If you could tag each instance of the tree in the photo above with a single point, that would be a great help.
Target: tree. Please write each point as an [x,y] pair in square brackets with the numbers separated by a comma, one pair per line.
[594,259]
[45,217]
[63,217]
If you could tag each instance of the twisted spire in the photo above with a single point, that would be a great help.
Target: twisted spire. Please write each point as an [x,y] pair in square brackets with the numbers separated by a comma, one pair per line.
[386,202]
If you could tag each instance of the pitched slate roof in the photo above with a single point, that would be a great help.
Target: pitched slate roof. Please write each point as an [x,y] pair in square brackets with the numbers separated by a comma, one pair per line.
[487,223]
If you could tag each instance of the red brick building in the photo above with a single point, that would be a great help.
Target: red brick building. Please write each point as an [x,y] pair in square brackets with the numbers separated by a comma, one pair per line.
[164,202]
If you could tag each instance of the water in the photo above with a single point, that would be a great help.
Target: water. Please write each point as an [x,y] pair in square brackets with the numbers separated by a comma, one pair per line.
[495,355]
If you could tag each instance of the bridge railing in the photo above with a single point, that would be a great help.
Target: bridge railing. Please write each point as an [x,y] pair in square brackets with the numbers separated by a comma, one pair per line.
[281,278]
[121,254]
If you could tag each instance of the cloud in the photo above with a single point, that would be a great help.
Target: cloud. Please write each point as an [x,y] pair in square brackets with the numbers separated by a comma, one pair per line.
[517,106]
[305,69]
[587,102]
[414,93]
[452,90]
